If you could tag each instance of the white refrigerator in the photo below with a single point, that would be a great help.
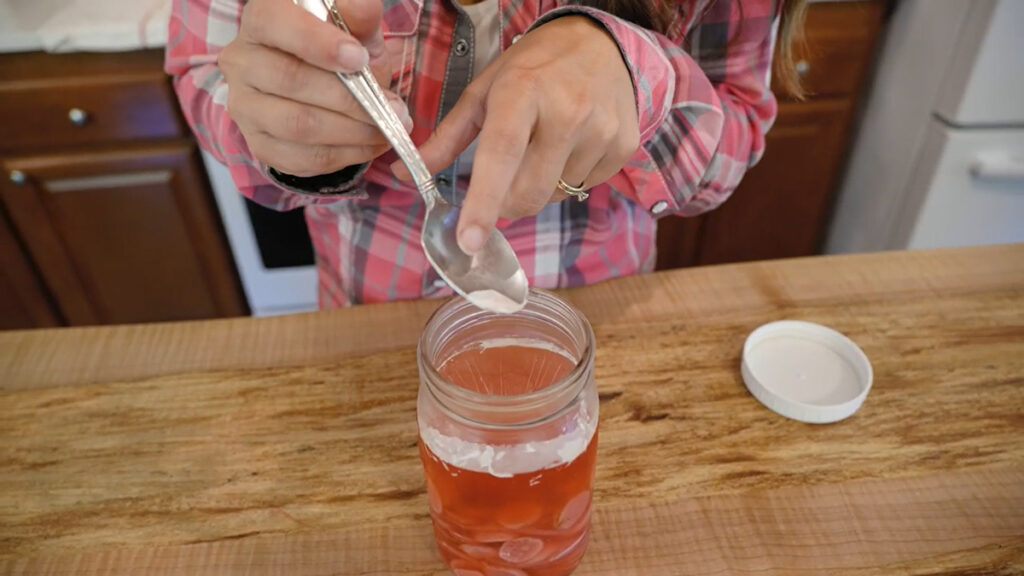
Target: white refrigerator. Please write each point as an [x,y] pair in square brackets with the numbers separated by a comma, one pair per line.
[939,157]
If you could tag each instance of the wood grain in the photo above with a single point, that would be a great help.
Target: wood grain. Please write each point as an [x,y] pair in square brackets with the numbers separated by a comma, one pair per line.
[212,460]
[864,528]
[779,289]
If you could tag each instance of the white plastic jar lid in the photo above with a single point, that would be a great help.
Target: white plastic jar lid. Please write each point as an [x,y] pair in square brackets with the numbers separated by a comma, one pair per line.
[806,371]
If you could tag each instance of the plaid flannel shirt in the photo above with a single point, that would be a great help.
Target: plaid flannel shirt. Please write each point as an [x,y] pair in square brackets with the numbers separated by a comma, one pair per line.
[704,106]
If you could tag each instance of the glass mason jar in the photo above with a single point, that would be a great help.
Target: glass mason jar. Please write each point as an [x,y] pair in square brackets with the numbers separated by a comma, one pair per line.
[507,415]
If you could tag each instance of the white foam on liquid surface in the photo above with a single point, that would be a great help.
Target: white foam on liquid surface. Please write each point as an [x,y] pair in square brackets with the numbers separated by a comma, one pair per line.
[507,460]
[526,342]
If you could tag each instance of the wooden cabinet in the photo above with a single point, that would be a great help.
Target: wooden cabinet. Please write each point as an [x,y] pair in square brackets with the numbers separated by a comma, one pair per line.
[783,205]
[784,200]
[106,197]
[24,302]
[123,235]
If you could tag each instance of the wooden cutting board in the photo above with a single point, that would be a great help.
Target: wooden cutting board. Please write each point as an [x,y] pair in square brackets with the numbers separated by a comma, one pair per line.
[287,445]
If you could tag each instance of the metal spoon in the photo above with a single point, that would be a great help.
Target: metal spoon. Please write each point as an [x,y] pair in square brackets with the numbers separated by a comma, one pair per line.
[492,279]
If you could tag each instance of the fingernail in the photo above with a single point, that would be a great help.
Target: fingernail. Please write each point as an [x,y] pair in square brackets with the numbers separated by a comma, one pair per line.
[352,57]
[472,239]
[375,46]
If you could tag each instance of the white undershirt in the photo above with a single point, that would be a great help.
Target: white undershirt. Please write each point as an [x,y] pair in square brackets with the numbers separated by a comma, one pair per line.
[486,47]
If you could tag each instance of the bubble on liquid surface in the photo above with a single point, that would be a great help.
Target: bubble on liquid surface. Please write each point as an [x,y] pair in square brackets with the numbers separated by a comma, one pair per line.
[574,510]
[520,550]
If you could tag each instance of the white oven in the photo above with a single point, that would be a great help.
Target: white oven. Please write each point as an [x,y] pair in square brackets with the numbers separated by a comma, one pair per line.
[271,249]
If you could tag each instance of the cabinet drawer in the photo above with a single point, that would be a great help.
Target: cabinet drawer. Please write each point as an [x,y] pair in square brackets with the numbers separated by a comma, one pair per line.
[840,40]
[107,109]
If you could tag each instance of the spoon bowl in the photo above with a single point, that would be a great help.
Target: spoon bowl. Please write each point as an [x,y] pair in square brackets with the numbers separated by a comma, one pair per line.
[492,279]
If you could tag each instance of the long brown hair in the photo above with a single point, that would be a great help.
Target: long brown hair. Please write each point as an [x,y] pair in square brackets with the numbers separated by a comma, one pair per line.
[658,15]
[791,31]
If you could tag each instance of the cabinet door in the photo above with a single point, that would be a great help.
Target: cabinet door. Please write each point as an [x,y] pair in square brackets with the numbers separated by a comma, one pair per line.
[124,235]
[781,207]
[24,302]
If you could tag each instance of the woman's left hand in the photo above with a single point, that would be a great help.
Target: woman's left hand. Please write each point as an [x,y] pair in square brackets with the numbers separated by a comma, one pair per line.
[557,104]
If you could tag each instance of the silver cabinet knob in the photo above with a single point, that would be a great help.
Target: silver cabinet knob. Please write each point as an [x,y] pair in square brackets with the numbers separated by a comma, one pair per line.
[18,177]
[78,117]
[802,67]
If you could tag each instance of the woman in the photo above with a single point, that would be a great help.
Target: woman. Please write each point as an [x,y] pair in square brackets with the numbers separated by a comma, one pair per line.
[653,109]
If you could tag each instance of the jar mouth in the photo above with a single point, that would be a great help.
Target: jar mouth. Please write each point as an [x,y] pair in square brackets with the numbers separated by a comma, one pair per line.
[557,395]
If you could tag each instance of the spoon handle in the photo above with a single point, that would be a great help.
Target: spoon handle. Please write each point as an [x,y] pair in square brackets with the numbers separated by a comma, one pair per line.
[371,97]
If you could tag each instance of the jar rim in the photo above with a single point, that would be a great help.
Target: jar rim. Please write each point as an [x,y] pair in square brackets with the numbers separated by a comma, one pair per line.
[575,378]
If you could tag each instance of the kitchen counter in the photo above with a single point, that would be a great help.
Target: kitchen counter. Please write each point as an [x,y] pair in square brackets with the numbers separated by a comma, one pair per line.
[288,444]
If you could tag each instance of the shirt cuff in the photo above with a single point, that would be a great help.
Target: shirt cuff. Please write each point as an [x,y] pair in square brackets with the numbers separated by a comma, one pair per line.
[337,185]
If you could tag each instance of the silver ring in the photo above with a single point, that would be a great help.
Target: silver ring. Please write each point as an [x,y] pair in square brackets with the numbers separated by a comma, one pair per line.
[577,192]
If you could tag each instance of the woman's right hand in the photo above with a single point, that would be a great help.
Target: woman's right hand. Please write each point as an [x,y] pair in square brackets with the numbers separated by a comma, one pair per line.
[294,113]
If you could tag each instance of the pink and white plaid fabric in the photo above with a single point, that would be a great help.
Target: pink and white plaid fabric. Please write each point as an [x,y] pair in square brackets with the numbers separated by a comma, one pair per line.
[704,102]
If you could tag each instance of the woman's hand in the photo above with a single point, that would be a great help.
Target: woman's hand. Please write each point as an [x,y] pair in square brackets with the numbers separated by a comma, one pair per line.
[557,104]
[284,96]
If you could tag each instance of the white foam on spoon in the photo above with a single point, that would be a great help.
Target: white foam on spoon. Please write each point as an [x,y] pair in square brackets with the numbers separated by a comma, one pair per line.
[493,301]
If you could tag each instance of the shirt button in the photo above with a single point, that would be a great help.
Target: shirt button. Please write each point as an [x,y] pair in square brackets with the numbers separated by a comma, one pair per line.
[659,207]
[461,47]
[516,38]
[443,180]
